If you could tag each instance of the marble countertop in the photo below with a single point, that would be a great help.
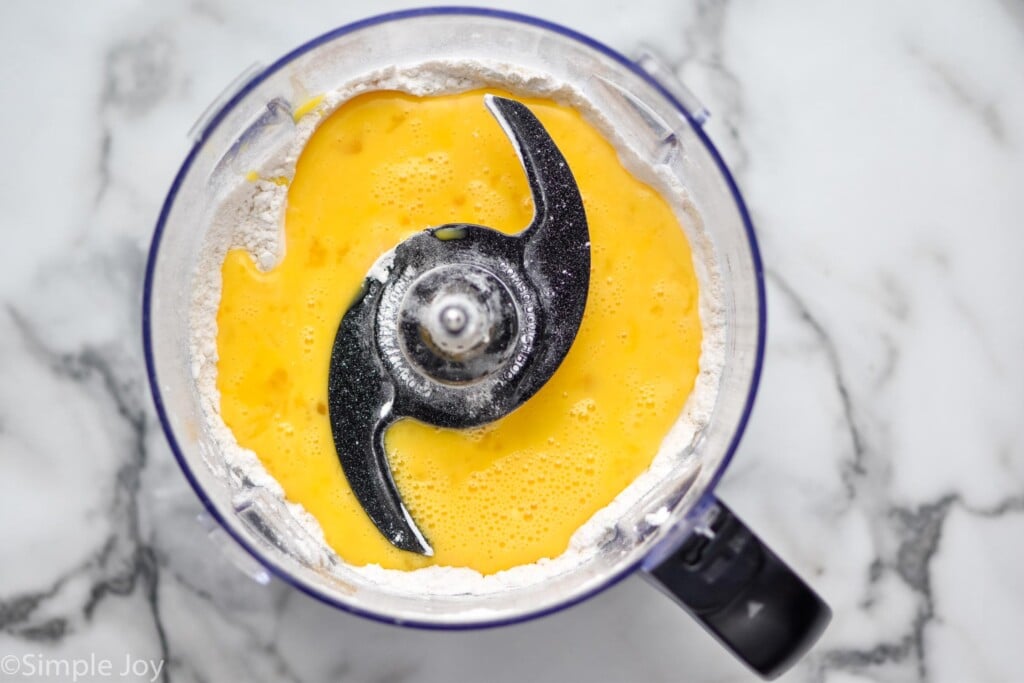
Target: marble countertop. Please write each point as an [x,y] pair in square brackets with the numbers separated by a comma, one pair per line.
[880,146]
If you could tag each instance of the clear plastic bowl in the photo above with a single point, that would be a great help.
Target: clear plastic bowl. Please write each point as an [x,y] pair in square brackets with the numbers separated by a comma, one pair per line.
[257,120]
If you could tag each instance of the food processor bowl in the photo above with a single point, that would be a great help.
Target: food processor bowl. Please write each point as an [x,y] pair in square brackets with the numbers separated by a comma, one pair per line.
[678,533]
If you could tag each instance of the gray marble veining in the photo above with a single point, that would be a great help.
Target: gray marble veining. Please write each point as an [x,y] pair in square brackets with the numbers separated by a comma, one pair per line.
[881,149]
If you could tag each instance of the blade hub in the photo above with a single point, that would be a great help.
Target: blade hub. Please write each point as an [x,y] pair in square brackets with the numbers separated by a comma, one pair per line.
[458,324]
[453,318]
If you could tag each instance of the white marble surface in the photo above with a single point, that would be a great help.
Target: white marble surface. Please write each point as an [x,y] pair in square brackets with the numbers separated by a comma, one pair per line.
[881,148]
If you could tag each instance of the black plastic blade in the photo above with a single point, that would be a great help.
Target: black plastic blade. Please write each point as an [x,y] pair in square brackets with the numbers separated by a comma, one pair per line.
[546,269]
[360,395]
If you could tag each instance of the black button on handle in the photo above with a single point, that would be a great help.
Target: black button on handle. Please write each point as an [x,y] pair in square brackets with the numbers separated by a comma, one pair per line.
[741,592]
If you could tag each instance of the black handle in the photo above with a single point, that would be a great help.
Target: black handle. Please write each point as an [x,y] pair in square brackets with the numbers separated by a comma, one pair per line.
[741,592]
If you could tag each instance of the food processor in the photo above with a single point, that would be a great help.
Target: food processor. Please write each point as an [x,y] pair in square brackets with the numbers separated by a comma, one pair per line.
[677,533]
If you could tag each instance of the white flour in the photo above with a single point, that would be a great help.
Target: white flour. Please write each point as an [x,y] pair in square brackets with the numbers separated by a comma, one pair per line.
[251,216]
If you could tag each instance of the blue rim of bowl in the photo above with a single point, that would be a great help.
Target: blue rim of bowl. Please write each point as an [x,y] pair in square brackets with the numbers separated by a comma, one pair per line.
[624,571]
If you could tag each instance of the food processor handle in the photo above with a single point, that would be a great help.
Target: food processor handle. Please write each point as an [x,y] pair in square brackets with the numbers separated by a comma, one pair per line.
[741,592]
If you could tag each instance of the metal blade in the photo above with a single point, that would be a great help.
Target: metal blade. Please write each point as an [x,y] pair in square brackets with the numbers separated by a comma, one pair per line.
[556,245]
[527,290]
[360,395]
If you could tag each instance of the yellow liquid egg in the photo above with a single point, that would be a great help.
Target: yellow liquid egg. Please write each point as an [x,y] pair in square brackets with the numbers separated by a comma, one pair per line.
[380,168]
